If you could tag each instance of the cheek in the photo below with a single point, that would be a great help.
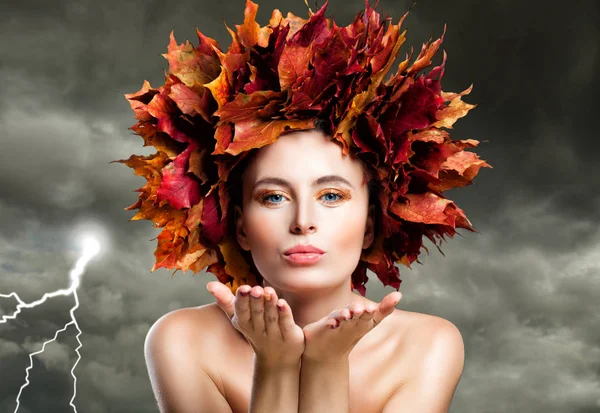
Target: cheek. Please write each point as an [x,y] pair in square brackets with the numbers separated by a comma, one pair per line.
[262,229]
[265,234]
[346,241]
[347,232]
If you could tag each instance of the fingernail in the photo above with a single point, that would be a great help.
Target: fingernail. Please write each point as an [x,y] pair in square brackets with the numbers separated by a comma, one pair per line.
[244,293]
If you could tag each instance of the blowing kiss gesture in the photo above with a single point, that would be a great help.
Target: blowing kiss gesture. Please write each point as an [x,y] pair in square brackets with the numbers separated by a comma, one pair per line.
[335,335]
[276,338]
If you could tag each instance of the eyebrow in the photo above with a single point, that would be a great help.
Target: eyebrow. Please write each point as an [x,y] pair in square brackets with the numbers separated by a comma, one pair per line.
[327,179]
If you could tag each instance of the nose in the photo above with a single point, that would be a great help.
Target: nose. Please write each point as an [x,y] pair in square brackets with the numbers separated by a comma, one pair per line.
[303,221]
[303,229]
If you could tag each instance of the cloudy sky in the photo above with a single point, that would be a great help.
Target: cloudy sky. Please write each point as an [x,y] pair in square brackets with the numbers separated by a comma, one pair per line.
[523,290]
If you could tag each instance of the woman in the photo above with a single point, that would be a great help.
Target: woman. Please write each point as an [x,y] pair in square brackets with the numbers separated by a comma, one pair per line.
[311,147]
[227,364]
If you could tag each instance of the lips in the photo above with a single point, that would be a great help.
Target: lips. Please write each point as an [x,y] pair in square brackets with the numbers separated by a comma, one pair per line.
[303,249]
[301,258]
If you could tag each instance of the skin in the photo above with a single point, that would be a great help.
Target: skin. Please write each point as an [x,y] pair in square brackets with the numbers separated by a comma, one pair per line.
[412,360]
[334,217]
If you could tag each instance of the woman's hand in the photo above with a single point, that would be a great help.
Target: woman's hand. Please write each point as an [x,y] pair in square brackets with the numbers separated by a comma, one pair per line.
[333,337]
[270,329]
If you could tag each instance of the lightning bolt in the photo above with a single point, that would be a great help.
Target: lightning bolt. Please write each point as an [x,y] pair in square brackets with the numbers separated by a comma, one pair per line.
[90,249]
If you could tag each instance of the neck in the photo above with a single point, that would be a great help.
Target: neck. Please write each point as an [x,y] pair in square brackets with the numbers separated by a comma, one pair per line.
[310,305]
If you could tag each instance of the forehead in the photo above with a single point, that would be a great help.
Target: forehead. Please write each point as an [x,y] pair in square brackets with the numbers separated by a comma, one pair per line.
[302,156]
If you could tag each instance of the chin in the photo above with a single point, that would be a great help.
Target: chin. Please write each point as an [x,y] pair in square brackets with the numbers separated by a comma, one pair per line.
[303,278]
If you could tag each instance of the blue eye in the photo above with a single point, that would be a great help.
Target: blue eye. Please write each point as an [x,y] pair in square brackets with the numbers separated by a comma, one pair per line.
[332,193]
[267,198]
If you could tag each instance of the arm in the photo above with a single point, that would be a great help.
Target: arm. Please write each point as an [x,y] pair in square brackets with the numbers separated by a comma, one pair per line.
[324,386]
[274,388]
[325,364]
[432,388]
[277,341]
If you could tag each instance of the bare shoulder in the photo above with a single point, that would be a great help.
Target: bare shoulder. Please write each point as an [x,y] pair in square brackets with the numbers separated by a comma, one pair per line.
[421,334]
[177,349]
[433,358]
[421,323]
[201,320]
[193,331]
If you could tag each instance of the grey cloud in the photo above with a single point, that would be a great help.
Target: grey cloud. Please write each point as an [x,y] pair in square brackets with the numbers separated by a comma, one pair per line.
[522,291]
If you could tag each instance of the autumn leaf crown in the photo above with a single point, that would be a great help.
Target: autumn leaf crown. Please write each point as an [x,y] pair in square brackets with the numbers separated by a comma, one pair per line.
[216,108]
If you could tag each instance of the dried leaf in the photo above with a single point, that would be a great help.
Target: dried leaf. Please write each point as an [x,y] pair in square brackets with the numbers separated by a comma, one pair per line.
[216,107]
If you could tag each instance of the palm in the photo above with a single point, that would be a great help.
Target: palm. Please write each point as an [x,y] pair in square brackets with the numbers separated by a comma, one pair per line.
[322,341]
[311,329]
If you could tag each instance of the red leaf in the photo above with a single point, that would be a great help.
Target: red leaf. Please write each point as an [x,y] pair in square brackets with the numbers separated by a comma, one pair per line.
[178,188]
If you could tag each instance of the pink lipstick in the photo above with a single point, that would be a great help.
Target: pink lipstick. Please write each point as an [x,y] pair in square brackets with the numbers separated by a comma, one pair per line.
[303,258]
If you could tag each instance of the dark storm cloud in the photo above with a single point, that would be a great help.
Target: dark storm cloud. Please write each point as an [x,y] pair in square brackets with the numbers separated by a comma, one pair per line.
[523,291]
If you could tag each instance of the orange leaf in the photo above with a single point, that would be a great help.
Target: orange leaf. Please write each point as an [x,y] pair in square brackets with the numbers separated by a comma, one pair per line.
[234,262]
[427,208]
[451,113]
[255,133]
[220,89]
[250,33]
[193,66]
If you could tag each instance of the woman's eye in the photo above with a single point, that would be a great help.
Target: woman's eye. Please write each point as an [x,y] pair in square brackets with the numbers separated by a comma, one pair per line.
[332,193]
[269,198]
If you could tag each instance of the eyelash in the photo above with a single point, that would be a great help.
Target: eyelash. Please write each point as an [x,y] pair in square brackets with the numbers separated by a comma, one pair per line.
[263,198]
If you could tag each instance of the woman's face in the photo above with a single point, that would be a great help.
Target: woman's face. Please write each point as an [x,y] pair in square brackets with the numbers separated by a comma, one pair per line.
[331,215]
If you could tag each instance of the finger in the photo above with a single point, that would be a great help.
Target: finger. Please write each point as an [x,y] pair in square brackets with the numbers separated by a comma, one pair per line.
[257,308]
[386,307]
[369,312]
[356,310]
[286,319]
[331,320]
[242,305]
[362,314]
[223,296]
[391,300]
[271,313]
[394,297]
[341,316]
